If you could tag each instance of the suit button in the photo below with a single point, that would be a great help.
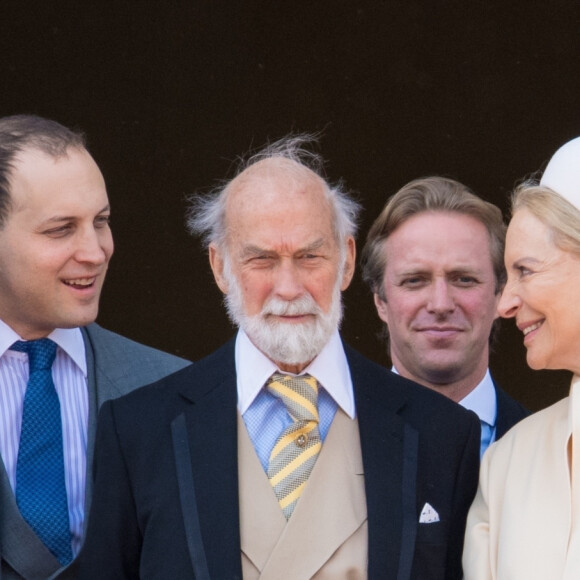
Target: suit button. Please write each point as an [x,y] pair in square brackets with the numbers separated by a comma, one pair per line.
[302,440]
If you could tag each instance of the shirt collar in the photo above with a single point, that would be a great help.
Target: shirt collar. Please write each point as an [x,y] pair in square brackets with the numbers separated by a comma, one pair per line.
[482,400]
[330,368]
[70,340]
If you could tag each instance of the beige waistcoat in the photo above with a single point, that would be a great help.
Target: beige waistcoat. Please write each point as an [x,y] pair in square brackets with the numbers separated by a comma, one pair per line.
[327,536]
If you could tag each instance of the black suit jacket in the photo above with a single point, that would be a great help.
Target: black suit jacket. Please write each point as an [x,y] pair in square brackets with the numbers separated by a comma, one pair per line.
[165,501]
[509,412]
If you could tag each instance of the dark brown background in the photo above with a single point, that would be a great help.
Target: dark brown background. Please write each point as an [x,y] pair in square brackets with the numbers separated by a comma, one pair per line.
[170,92]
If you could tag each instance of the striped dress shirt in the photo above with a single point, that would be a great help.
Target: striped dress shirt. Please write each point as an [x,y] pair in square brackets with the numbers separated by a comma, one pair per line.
[69,373]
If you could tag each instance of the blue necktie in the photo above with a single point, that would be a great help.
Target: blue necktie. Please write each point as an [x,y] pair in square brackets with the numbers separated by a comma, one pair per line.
[40,485]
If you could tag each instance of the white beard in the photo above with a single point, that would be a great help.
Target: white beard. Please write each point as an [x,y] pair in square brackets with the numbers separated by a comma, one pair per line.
[283,342]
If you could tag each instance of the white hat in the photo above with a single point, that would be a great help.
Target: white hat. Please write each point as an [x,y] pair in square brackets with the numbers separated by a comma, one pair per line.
[563,172]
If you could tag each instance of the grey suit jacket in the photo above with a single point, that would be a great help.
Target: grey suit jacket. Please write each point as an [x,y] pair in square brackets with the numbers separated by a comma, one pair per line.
[116,365]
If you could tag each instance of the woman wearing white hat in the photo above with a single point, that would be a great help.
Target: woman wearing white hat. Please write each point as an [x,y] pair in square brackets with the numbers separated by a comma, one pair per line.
[525,521]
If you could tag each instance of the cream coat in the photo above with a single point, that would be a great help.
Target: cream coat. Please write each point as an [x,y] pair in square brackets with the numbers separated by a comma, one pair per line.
[524,523]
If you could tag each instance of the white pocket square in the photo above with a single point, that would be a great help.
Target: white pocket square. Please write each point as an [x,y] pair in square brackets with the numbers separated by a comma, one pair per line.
[428,515]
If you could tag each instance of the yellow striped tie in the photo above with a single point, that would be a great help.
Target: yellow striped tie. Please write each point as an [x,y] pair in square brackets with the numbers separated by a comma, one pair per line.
[297,448]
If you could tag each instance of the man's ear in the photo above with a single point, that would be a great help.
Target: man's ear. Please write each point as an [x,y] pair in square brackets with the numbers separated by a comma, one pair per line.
[216,261]
[349,263]
[381,306]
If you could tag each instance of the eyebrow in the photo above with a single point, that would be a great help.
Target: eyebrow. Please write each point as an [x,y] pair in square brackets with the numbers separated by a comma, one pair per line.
[411,271]
[452,271]
[527,259]
[65,218]
[253,250]
[316,245]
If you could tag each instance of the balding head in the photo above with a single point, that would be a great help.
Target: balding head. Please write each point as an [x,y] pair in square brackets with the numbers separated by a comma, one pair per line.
[282,250]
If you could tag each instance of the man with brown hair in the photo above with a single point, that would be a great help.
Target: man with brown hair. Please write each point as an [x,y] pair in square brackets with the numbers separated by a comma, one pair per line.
[434,262]
[56,365]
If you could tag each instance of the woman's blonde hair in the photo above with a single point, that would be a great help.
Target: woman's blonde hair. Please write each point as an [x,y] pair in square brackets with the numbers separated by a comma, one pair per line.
[554,211]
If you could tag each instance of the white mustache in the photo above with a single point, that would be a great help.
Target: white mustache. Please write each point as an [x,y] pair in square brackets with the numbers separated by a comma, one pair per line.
[299,307]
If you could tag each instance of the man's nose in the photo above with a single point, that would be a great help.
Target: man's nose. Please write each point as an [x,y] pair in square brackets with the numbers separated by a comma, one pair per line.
[92,245]
[441,297]
[288,284]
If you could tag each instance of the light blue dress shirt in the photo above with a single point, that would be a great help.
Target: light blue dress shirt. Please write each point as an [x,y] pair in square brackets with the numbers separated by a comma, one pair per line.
[265,416]
[483,402]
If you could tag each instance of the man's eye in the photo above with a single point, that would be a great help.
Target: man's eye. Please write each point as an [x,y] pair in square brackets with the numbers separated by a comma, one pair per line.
[60,231]
[466,280]
[102,221]
[413,281]
[260,260]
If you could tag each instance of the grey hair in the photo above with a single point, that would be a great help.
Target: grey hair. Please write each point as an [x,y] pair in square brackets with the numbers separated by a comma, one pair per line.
[206,215]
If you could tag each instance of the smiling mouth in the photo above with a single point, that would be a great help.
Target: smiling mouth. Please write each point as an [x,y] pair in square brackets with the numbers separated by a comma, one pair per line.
[80,282]
[532,327]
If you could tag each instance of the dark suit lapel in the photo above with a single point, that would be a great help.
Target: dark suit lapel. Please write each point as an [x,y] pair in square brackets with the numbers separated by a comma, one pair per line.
[187,498]
[206,433]
[509,412]
[409,489]
[389,449]
[503,422]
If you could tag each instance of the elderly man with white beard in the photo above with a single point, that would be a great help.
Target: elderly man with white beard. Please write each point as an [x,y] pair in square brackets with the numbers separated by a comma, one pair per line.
[284,454]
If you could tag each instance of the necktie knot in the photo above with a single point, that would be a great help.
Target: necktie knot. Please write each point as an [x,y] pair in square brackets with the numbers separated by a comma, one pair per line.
[298,393]
[41,352]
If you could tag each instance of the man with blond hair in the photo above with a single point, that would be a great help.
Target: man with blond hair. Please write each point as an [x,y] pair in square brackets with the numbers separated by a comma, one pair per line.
[434,262]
